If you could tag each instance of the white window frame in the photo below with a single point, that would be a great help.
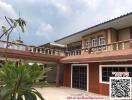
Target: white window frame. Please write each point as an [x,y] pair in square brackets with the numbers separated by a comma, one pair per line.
[101,40]
[88,43]
[100,71]
[87,65]
[94,42]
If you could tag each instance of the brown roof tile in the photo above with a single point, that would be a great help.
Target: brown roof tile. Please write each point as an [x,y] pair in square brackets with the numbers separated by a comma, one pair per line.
[100,56]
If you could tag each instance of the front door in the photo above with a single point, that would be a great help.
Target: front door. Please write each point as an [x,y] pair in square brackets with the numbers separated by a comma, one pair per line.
[79,76]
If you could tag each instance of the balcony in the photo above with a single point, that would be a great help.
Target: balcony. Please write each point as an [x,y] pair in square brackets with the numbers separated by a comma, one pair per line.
[111,52]
[30,48]
[28,52]
[121,45]
[116,50]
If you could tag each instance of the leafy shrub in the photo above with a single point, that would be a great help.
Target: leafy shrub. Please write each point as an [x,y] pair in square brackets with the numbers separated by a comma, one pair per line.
[18,79]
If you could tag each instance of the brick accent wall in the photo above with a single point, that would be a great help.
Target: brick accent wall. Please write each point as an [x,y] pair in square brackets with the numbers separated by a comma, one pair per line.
[94,85]
[67,75]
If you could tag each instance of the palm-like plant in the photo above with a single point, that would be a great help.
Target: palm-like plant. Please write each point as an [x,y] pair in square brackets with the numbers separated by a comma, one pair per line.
[18,80]
[13,23]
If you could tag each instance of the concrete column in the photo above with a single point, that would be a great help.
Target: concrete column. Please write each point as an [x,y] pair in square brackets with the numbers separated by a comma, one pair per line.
[108,40]
[83,46]
[130,43]
[58,74]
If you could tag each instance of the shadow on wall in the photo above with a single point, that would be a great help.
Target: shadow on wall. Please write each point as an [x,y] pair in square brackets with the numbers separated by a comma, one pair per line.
[51,77]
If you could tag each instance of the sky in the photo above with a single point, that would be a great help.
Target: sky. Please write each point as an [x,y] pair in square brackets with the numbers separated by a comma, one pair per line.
[49,20]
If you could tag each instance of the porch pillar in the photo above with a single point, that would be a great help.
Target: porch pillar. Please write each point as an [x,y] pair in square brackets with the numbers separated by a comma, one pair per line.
[58,74]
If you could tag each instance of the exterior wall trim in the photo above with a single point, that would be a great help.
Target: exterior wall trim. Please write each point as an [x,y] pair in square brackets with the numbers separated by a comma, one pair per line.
[117,65]
[87,73]
[117,60]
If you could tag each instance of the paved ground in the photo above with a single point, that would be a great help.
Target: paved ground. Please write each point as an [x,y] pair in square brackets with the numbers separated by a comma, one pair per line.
[63,93]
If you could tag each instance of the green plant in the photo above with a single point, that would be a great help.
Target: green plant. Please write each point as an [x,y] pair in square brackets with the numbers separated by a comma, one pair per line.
[13,23]
[18,80]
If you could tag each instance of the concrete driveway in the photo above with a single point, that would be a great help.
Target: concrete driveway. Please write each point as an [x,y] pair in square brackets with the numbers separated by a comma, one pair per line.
[64,93]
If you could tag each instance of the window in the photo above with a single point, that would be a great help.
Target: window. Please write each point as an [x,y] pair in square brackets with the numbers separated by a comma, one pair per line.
[101,40]
[94,42]
[106,72]
[88,43]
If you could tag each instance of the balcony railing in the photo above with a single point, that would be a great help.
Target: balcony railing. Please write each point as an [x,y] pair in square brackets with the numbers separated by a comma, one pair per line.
[109,47]
[48,51]
[29,48]
[14,45]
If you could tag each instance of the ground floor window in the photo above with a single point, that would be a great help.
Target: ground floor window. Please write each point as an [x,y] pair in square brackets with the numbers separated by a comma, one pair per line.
[106,71]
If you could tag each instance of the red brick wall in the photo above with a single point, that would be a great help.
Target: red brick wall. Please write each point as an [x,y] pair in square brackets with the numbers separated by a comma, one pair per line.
[94,85]
[93,78]
[67,75]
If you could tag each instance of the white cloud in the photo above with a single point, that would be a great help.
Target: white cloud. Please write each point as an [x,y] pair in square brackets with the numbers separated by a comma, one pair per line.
[44,30]
[6,10]
[61,5]
[93,12]
[66,16]
[93,4]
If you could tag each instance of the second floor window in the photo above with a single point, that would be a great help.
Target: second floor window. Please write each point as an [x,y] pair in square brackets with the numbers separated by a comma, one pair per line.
[88,43]
[101,41]
[94,42]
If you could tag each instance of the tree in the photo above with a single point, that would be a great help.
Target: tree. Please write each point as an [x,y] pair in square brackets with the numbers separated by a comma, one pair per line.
[18,81]
[13,23]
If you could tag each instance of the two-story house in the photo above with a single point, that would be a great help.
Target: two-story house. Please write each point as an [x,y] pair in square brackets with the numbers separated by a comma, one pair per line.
[88,57]
[94,53]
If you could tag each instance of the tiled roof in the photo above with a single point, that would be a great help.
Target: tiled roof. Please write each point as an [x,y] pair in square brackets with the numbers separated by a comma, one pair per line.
[100,56]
